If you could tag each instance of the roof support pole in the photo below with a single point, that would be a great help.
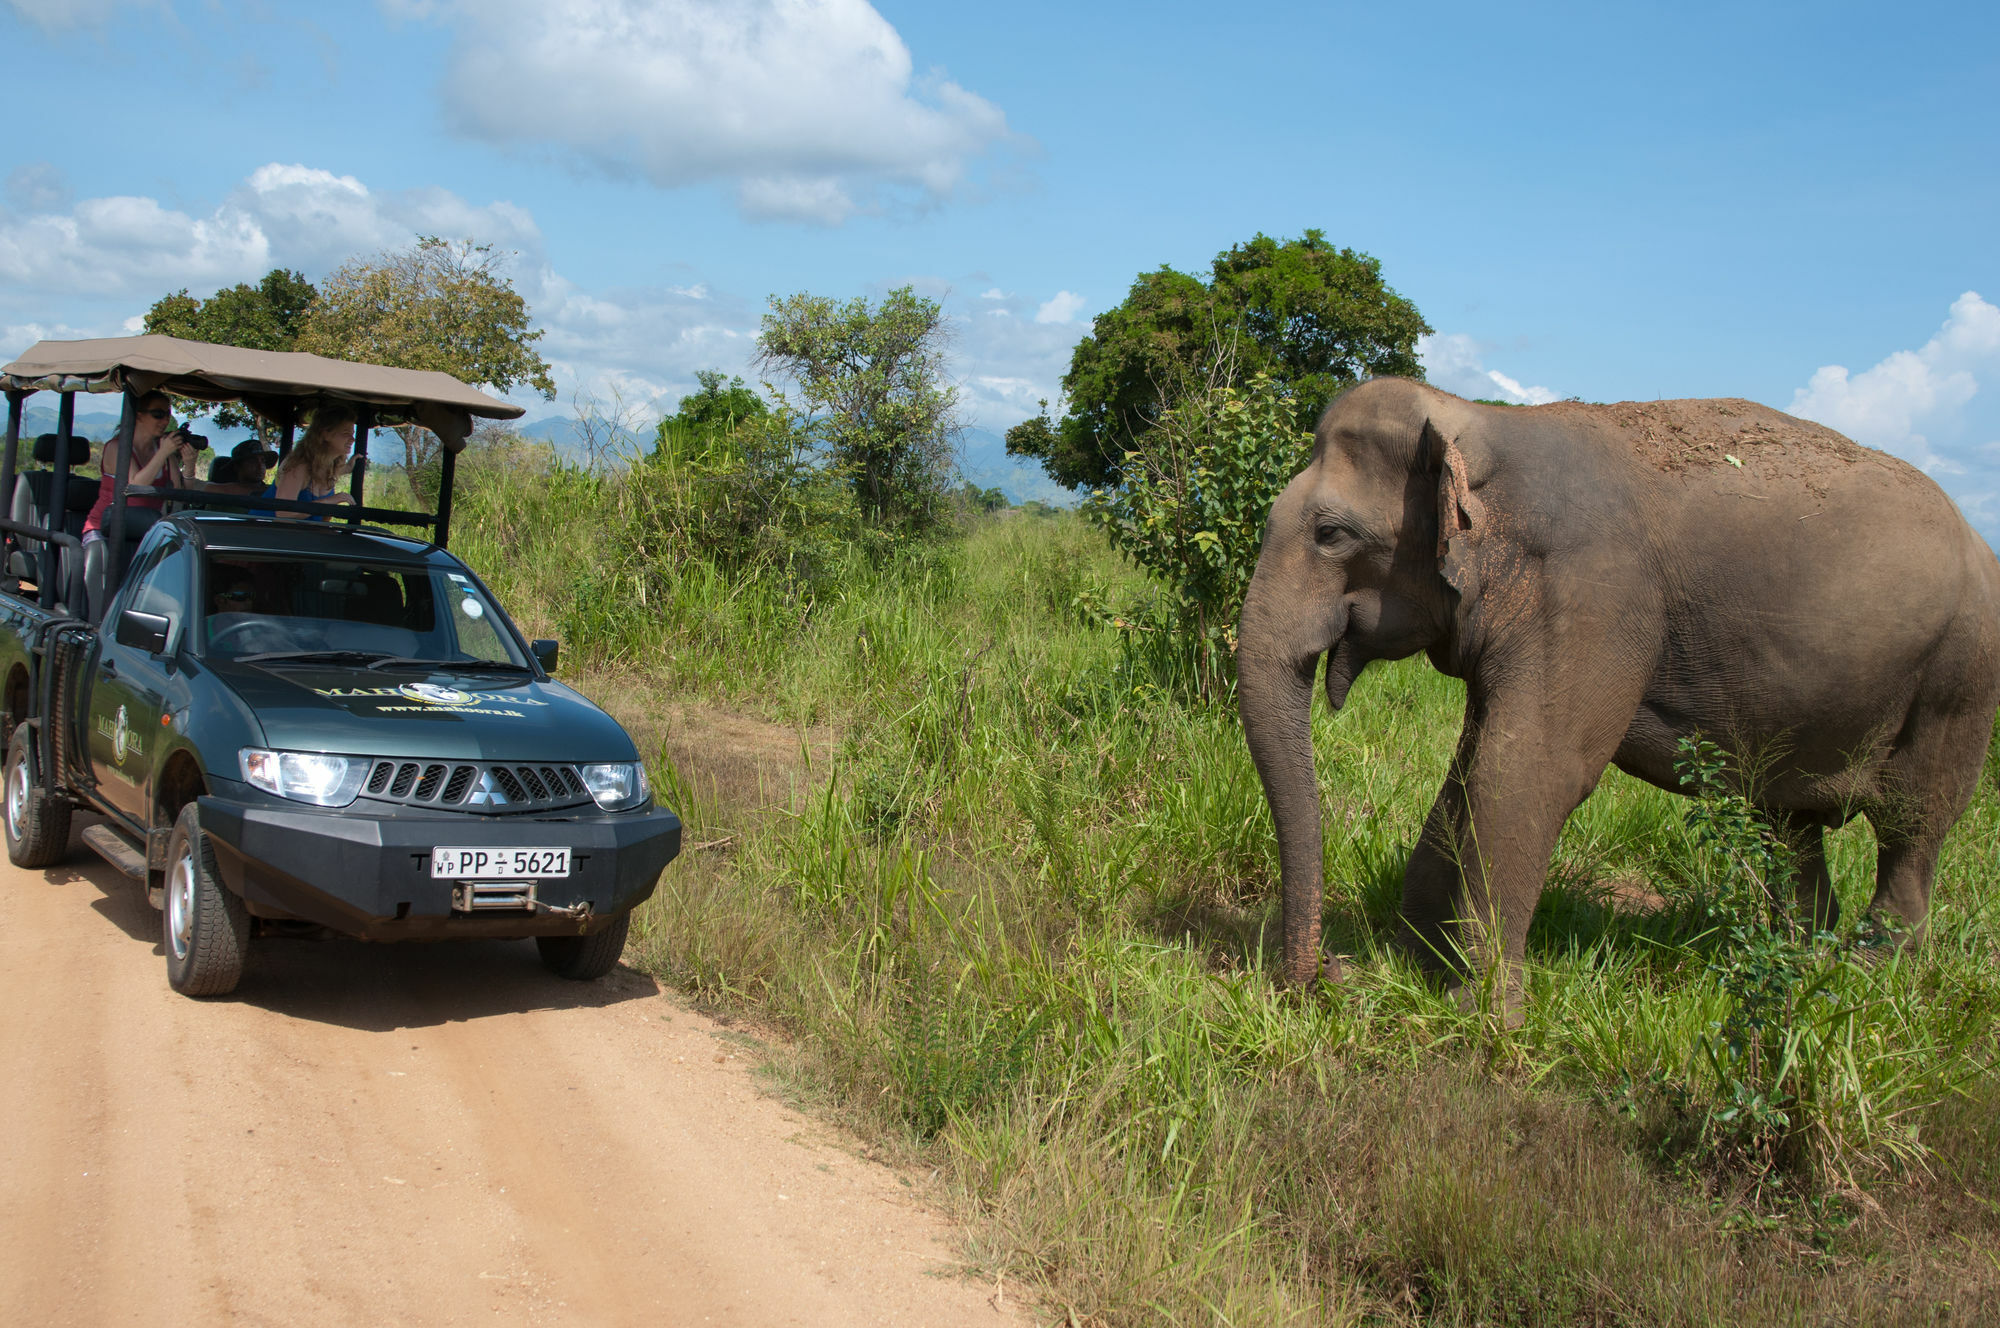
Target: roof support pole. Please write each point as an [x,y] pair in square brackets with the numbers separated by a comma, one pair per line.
[114,518]
[364,422]
[58,496]
[441,533]
[8,463]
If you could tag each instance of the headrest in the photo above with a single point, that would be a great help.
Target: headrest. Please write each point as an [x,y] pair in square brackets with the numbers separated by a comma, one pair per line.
[222,470]
[79,449]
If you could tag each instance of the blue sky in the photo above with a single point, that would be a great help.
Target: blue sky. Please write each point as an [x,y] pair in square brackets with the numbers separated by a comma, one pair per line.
[1794,204]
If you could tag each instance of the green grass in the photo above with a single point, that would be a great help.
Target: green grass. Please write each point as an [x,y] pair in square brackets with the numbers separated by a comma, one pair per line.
[1011,912]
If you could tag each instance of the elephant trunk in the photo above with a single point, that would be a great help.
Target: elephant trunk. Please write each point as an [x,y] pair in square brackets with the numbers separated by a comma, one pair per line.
[1274,682]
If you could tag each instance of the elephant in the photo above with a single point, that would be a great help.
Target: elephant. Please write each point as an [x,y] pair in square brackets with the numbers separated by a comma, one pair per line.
[1607,579]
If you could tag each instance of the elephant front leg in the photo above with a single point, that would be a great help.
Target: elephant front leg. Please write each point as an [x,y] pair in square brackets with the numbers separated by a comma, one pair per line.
[1432,880]
[1473,884]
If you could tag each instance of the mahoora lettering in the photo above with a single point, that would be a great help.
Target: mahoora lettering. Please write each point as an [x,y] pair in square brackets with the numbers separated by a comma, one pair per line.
[411,692]
[449,710]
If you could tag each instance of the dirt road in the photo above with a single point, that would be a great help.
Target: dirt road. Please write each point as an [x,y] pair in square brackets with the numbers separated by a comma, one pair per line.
[423,1135]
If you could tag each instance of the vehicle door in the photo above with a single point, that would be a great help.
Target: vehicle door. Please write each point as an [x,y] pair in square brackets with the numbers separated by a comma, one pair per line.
[130,691]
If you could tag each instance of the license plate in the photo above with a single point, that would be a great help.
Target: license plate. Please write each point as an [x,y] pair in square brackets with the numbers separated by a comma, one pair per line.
[498,864]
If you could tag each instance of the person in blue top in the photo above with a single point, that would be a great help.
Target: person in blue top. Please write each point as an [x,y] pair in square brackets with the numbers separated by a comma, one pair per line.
[248,466]
[317,463]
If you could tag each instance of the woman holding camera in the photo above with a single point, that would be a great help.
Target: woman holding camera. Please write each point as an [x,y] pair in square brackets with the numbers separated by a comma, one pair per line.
[162,455]
[317,463]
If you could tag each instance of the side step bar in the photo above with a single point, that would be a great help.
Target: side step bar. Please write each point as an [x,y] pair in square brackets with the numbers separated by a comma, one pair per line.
[123,854]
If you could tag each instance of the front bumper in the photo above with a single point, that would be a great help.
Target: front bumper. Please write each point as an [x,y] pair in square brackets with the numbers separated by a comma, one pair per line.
[367,874]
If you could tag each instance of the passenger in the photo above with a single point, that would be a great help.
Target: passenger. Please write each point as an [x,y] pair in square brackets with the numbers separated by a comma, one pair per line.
[319,461]
[170,466]
[232,593]
[248,469]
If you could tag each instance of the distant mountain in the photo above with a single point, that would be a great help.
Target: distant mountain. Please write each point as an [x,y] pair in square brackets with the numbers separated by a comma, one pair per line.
[92,424]
[99,425]
[984,461]
[983,453]
[569,439]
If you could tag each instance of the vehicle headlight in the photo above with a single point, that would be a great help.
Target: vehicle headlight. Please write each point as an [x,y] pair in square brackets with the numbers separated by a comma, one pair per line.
[617,785]
[315,777]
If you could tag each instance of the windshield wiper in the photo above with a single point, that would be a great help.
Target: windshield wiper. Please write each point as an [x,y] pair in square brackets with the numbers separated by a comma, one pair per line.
[460,665]
[367,657]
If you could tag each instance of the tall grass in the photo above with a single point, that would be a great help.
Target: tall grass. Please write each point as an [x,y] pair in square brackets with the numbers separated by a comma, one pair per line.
[1017,924]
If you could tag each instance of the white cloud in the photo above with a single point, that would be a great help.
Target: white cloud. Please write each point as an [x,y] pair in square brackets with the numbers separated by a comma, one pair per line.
[1008,360]
[1456,363]
[103,261]
[810,108]
[1062,307]
[62,15]
[1898,402]
[38,187]
[1925,406]
[289,215]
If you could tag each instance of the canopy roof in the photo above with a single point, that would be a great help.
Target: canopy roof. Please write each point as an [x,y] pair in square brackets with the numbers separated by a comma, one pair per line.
[272,383]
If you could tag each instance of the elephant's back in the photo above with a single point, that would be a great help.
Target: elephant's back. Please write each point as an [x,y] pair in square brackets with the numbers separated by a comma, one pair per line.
[1728,437]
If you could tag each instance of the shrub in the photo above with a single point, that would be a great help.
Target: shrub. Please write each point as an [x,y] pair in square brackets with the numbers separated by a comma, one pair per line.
[1190,513]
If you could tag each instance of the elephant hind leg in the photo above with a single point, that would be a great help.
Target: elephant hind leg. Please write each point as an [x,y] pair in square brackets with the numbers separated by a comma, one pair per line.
[1923,789]
[1813,898]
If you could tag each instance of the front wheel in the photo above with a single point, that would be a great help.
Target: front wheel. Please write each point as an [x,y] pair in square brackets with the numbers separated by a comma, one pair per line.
[37,821]
[206,928]
[585,958]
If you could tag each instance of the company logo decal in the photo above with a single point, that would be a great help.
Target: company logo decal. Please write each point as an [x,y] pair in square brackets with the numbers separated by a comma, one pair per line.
[432,694]
[124,741]
[430,698]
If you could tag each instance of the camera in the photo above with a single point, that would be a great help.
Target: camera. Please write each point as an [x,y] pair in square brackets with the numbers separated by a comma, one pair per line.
[198,441]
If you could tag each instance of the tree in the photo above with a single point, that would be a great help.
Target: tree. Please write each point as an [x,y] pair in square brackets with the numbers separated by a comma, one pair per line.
[444,305]
[708,413]
[266,316]
[875,394]
[1316,318]
[1190,513]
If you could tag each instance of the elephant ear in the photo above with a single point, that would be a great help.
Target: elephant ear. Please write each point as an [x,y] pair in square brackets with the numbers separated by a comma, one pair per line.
[1461,516]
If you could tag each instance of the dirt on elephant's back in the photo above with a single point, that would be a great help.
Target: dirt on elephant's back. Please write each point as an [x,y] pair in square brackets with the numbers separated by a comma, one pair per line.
[1688,435]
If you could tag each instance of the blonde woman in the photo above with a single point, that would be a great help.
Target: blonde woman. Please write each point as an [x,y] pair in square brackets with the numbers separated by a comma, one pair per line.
[319,461]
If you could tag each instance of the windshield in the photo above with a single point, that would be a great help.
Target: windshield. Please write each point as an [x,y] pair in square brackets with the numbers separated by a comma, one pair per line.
[366,613]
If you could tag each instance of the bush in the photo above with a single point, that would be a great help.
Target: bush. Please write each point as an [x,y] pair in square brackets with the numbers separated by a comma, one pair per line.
[1190,513]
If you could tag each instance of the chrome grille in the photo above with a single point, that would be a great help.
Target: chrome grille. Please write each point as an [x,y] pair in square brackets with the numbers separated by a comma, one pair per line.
[477,786]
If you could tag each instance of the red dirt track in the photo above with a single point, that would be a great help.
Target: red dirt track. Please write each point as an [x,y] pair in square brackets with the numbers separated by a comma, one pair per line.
[421,1134]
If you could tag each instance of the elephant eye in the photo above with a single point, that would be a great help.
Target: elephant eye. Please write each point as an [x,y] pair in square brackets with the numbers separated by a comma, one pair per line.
[1327,534]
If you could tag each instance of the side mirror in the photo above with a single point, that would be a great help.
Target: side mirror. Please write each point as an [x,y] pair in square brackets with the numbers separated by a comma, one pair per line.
[545,652]
[144,631]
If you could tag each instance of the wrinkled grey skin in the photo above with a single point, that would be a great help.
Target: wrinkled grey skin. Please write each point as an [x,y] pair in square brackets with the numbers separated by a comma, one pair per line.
[1606,580]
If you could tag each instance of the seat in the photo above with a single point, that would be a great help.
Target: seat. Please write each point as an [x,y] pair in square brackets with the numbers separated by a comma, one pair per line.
[96,582]
[32,506]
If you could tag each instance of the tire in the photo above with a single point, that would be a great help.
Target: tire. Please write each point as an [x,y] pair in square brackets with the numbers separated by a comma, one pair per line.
[204,929]
[36,821]
[585,958]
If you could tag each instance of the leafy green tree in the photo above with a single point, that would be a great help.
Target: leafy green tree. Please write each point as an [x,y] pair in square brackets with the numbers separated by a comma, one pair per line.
[266,316]
[1316,318]
[1190,513]
[875,395]
[711,412]
[445,305]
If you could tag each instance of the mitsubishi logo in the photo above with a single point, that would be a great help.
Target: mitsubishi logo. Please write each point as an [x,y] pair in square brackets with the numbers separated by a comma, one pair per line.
[485,791]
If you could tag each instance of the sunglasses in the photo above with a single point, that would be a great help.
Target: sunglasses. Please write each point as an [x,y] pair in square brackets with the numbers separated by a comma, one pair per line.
[158,414]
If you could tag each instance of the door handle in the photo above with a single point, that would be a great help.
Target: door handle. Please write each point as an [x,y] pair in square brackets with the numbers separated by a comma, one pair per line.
[110,669]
